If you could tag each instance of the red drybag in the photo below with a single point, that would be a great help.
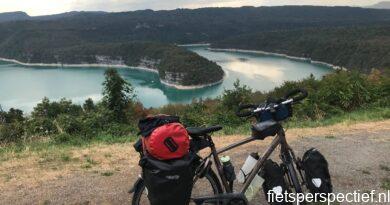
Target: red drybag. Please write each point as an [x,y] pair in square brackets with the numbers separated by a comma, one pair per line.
[164,137]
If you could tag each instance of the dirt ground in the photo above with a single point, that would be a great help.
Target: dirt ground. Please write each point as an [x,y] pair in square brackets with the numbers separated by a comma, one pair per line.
[358,154]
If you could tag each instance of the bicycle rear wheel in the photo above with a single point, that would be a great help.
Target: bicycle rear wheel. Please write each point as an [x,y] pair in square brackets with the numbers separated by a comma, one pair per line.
[206,186]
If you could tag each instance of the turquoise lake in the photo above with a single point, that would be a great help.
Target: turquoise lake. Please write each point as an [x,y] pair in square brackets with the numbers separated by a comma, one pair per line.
[24,86]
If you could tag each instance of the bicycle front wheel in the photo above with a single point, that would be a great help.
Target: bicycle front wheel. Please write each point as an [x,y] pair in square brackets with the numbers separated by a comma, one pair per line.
[292,173]
[207,186]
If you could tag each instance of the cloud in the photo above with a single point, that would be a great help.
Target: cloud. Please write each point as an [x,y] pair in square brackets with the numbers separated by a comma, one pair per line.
[36,7]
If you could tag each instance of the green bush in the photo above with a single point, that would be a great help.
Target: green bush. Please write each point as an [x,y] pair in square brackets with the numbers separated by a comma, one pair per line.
[346,90]
[49,109]
[40,126]
[116,129]
[63,138]
[11,132]
[69,124]
[13,115]
[231,99]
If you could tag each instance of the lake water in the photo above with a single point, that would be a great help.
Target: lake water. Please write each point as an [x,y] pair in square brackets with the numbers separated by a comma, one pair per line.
[23,87]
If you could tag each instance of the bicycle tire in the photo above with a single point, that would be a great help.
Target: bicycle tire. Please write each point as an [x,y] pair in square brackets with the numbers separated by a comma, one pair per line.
[211,177]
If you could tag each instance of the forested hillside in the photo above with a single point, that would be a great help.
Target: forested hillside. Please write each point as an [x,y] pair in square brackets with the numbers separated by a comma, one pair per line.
[278,29]
[361,48]
[198,25]
[175,65]
[13,16]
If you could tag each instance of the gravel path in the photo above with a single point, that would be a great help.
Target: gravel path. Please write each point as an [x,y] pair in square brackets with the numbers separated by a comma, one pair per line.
[359,157]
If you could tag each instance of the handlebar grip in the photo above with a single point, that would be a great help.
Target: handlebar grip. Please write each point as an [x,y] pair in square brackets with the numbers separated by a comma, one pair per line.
[303,94]
[246,106]
[244,114]
[243,107]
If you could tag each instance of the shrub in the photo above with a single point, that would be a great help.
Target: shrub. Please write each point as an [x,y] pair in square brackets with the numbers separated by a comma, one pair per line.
[13,115]
[346,90]
[11,132]
[221,116]
[49,109]
[40,126]
[62,138]
[240,94]
[117,129]
[195,114]
[69,124]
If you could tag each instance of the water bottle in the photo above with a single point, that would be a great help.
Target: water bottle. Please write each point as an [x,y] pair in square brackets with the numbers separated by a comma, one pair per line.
[254,187]
[246,169]
[228,168]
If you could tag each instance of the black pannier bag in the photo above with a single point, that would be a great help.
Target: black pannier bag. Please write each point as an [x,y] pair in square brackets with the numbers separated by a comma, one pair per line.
[316,171]
[274,182]
[169,182]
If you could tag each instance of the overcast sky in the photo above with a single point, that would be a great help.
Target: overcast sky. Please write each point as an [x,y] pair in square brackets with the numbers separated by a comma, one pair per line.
[42,7]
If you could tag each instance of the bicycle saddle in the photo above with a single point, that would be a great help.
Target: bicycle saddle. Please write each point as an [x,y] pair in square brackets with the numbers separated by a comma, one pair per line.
[201,131]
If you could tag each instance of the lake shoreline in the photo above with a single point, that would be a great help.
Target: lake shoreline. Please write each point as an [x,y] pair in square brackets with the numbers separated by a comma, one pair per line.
[194,44]
[176,86]
[334,67]
[186,87]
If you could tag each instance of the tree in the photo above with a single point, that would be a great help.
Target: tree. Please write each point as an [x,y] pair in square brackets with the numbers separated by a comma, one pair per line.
[239,95]
[53,109]
[2,115]
[118,94]
[89,105]
[15,115]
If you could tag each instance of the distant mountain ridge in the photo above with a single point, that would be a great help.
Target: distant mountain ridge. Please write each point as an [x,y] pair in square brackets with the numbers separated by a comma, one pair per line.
[277,12]
[381,5]
[196,25]
[22,16]
[35,41]
[14,16]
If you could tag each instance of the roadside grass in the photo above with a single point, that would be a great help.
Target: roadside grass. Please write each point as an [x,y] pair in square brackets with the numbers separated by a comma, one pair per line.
[361,115]
[50,150]
[384,168]
[330,137]
[6,177]
[386,184]
[366,172]
[107,173]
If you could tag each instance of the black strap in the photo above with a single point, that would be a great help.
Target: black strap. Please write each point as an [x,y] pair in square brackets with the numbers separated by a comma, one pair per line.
[171,144]
[149,124]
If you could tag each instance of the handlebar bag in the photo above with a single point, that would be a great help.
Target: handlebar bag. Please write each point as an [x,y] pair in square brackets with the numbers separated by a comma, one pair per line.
[164,137]
[280,113]
[316,171]
[169,182]
[265,129]
[274,183]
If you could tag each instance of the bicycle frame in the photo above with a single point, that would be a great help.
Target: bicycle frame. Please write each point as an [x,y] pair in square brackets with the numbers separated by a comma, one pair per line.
[280,139]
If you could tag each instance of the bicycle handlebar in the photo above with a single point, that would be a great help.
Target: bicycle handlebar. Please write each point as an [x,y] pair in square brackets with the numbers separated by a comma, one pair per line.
[292,97]
[303,94]
[246,113]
